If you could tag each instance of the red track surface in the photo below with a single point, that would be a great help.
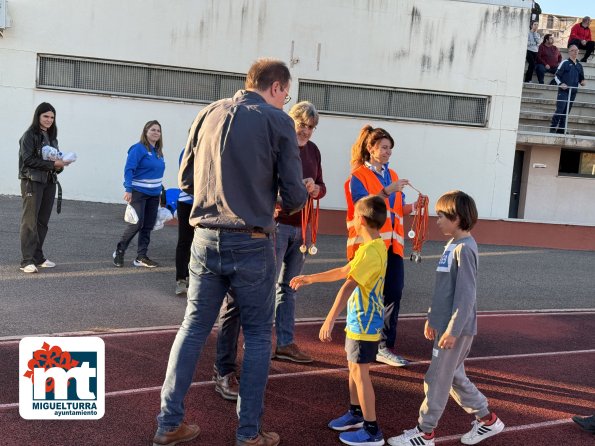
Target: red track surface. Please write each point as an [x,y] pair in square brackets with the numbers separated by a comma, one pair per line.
[536,369]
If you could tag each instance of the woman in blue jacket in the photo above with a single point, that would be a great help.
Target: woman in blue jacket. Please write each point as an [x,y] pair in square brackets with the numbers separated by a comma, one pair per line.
[143,177]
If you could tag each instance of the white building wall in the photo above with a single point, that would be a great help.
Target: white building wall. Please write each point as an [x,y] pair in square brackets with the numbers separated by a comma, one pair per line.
[553,198]
[422,44]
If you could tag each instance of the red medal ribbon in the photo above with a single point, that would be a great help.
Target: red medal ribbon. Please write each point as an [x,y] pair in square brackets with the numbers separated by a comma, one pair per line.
[420,223]
[310,217]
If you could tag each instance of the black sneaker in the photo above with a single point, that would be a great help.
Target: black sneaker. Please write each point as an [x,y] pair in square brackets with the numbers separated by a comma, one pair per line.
[118,256]
[145,261]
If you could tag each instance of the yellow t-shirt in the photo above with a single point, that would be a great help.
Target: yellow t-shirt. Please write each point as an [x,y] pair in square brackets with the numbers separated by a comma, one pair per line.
[365,307]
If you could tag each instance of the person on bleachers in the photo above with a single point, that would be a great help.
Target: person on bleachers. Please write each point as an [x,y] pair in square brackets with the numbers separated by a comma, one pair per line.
[533,40]
[535,11]
[580,35]
[548,59]
[568,77]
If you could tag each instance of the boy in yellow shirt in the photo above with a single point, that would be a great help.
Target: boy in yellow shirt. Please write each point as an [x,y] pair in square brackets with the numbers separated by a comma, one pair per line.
[362,295]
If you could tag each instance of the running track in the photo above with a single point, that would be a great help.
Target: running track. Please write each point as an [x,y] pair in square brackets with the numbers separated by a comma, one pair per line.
[537,370]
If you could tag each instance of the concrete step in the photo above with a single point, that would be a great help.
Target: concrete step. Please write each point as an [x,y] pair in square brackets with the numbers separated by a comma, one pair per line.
[538,105]
[586,121]
[544,129]
[590,78]
[588,67]
[577,125]
[545,91]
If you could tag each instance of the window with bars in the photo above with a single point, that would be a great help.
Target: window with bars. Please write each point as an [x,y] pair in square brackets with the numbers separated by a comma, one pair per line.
[134,79]
[395,103]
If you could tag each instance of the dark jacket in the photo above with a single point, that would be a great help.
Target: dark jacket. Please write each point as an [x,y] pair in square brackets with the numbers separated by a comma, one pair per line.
[31,164]
[240,154]
[570,73]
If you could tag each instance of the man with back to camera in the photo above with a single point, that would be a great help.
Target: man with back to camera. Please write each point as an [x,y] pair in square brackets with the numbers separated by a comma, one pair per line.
[240,153]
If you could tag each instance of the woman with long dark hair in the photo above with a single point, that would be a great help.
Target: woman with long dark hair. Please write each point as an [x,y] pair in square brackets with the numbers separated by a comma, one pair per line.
[370,175]
[533,41]
[143,177]
[38,186]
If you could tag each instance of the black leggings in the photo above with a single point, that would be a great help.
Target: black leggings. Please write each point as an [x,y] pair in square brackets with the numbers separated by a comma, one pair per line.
[589,47]
[185,235]
[530,58]
[38,201]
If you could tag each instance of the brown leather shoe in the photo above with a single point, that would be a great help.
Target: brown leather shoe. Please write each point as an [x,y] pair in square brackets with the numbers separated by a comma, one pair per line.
[227,386]
[184,432]
[293,353]
[262,439]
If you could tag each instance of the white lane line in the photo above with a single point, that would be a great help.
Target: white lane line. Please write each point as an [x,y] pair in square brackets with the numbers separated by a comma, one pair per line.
[10,273]
[300,321]
[318,260]
[522,427]
[330,371]
[104,272]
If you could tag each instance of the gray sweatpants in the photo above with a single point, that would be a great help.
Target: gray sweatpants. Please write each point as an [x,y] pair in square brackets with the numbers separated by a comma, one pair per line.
[445,376]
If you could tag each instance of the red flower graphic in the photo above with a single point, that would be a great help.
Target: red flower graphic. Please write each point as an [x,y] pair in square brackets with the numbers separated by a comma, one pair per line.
[46,358]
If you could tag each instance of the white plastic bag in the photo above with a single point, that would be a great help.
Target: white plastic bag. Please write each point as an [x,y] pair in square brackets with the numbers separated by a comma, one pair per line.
[69,157]
[50,153]
[130,215]
[163,215]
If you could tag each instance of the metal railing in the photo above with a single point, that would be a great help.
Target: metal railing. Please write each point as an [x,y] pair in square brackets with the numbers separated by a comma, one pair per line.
[566,115]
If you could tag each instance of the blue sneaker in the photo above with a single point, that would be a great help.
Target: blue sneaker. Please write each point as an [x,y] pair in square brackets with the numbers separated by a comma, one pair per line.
[347,421]
[362,437]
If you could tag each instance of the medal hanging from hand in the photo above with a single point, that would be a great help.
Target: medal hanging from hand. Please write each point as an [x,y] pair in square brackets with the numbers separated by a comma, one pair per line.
[419,228]
[310,217]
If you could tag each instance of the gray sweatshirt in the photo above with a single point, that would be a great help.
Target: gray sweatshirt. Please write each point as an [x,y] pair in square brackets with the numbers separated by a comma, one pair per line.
[241,153]
[454,306]
[533,41]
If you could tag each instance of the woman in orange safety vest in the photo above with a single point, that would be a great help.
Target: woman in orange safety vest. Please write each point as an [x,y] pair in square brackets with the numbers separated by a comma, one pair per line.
[370,175]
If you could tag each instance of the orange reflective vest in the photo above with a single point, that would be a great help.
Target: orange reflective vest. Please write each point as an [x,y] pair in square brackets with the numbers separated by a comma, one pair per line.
[392,235]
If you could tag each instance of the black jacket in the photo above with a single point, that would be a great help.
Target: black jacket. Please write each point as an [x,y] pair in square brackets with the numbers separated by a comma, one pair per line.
[31,164]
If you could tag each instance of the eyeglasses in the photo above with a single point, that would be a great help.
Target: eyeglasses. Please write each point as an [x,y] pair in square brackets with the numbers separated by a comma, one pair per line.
[287,99]
[303,125]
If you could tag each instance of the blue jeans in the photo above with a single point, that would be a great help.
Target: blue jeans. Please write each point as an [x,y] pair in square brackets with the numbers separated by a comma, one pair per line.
[563,106]
[222,260]
[290,262]
[146,207]
[227,335]
[540,69]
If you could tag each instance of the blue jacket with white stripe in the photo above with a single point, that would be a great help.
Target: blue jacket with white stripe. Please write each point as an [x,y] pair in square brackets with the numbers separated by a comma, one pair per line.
[144,170]
[184,197]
